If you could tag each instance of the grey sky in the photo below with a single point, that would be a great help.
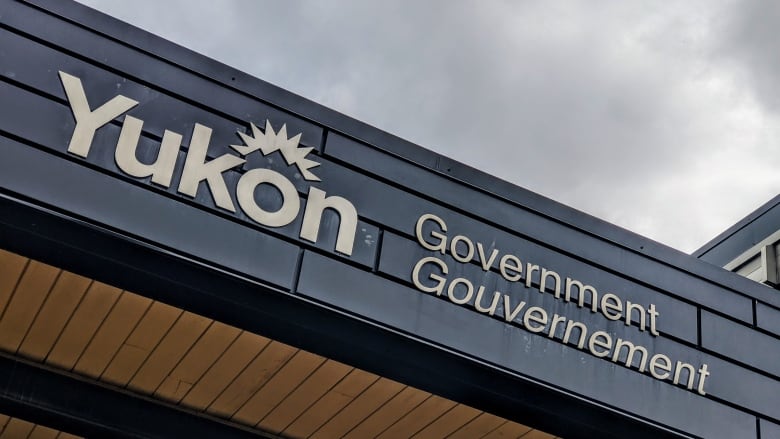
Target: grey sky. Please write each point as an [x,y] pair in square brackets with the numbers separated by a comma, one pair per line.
[661,117]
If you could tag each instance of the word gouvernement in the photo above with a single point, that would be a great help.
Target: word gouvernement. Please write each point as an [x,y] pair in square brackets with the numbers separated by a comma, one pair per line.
[197,168]
[429,275]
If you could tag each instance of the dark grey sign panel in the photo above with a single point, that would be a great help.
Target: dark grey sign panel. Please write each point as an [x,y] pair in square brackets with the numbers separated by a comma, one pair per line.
[121,130]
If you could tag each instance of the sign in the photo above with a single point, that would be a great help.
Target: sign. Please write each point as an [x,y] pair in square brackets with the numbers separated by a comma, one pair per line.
[430,275]
[198,169]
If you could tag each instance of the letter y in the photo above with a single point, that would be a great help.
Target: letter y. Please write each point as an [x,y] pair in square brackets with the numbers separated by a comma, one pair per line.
[88,121]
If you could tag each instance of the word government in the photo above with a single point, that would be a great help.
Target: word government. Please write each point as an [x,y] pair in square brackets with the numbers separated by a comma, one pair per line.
[535,319]
[198,169]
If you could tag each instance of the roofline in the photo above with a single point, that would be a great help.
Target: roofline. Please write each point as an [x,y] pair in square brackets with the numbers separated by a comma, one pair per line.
[741,224]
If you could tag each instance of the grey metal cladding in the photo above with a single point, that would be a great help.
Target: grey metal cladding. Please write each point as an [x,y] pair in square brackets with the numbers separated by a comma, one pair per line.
[768,318]
[740,343]
[769,430]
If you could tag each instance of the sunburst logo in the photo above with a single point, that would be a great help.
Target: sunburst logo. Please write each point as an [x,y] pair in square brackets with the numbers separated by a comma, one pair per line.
[270,141]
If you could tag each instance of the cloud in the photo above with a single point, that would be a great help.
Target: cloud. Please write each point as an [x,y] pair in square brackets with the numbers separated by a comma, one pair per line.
[748,38]
[636,112]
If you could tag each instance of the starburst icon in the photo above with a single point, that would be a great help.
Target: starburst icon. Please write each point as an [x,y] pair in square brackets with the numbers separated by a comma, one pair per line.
[270,141]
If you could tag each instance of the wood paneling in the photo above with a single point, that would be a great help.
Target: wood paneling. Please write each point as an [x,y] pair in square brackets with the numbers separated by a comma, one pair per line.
[247,383]
[140,343]
[393,410]
[55,313]
[15,428]
[419,418]
[311,390]
[169,352]
[117,326]
[448,423]
[12,267]
[331,403]
[246,347]
[90,313]
[478,427]
[25,303]
[536,434]
[41,432]
[359,408]
[508,430]
[277,388]
[214,342]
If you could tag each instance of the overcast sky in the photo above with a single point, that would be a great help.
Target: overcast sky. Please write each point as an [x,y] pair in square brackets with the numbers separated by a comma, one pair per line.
[661,117]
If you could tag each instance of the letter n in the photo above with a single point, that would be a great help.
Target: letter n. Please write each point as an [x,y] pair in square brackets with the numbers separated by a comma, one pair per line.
[312,217]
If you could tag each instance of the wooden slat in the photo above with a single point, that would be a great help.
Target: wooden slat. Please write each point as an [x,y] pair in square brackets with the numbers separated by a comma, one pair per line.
[25,303]
[478,427]
[342,394]
[359,408]
[169,352]
[251,380]
[54,315]
[207,350]
[508,430]
[246,347]
[97,302]
[292,374]
[11,268]
[298,401]
[401,404]
[536,434]
[141,342]
[16,429]
[41,432]
[448,423]
[117,326]
[418,418]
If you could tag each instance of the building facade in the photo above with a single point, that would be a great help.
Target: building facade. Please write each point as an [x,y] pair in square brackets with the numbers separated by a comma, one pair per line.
[187,250]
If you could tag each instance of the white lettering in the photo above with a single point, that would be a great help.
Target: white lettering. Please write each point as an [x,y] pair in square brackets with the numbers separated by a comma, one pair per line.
[441,245]
[537,316]
[510,316]
[451,290]
[486,262]
[493,305]
[161,170]
[245,193]
[197,169]
[312,217]
[511,268]
[469,249]
[440,281]
[662,362]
